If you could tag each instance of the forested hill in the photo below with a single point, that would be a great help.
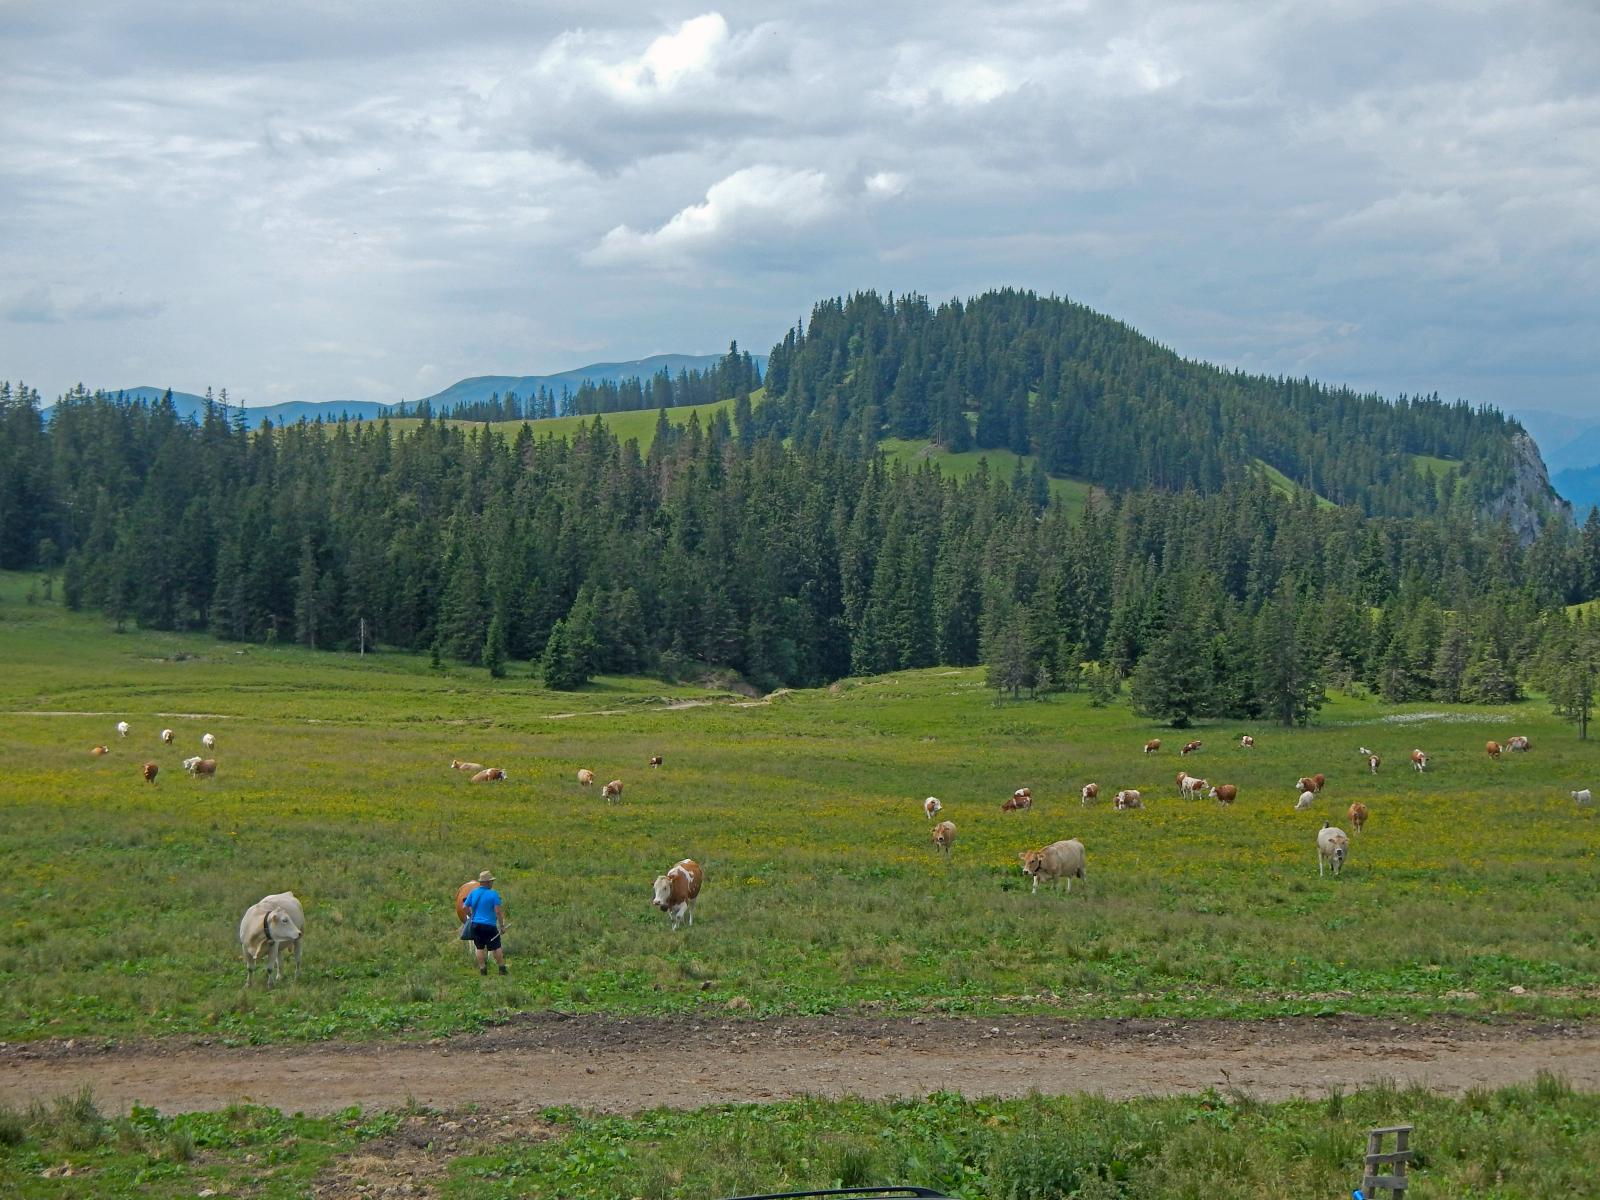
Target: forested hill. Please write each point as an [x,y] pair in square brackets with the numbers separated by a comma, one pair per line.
[1098,401]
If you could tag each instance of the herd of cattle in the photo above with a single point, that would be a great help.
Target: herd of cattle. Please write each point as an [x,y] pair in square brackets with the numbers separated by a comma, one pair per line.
[278,921]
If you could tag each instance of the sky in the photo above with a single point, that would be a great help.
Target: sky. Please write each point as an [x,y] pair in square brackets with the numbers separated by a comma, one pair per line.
[340,201]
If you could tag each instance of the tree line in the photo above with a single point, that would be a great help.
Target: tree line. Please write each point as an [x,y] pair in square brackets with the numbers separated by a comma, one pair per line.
[792,562]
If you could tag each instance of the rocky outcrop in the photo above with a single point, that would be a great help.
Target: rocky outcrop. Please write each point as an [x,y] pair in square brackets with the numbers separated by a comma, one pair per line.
[1529,500]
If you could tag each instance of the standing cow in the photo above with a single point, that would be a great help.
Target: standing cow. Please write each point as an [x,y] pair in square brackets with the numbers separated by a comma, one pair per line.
[675,892]
[1058,860]
[944,835]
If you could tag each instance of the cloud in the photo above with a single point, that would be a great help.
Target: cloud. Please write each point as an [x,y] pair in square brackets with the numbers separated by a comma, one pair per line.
[745,204]
[670,58]
[884,184]
[40,305]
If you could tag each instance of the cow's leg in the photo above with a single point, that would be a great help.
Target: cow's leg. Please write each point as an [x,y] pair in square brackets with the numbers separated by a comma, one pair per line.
[297,960]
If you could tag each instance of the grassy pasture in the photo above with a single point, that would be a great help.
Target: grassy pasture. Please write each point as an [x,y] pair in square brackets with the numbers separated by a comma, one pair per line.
[1534,1142]
[823,891]
[1285,486]
[1002,463]
[639,424]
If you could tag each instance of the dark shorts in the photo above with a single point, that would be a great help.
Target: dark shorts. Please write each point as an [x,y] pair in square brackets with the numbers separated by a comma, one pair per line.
[485,937]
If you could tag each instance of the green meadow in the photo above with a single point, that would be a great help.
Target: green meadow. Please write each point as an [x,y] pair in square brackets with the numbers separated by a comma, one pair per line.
[823,893]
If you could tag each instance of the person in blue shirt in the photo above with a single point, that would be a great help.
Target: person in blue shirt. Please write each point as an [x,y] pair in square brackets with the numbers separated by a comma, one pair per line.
[486,919]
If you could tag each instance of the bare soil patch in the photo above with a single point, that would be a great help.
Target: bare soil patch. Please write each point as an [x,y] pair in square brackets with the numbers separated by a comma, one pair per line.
[625,1064]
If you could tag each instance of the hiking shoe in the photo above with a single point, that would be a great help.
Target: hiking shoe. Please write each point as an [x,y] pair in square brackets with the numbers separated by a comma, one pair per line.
[483,970]
[503,971]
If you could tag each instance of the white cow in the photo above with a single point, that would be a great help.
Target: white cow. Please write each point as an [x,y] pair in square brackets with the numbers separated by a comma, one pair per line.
[1584,797]
[266,927]
[122,729]
[209,741]
[166,736]
[1332,846]
[1307,799]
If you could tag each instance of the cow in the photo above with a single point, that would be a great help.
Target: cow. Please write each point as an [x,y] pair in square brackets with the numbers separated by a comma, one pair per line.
[1020,799]
[100,751]
[461,764]
[1152,745]
[1307,799]
[1373,762]
[612,790]
[489,775]
[1419,760]
[1191,787]
[122,729]
[1309,783]
[1247,741]
[209,741]
[1364,752]
[585,777]
[201,766]
[150,771]
[1358,817]
[166,736]
[655,760]
[944,835]
[268,925]
[1091,791]
[1332,847]
[1190,747]
[1126,799]
[931,806]
[1583,797]
[1492,749]
[675,892]
[1058,860]
[1225,793]
[1518,744]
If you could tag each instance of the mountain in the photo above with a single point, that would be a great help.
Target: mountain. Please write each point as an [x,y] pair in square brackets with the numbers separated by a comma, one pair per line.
[1581,485]
[1564,441]
[467,391]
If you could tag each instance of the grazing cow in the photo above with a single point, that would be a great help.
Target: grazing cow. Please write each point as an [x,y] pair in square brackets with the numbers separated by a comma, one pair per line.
[1419,760]
[209,741]
[585,777]
[1583,797]
[166,736]
[1058,860]
[1319,780]
[655,760]
[1152,745]
[489,775]
[1191,747]
[1247,741]
[675,892]
[1358,817]
[1091,791]
[1127,798]
[1492,749]
[122,729]
[931,806]
[457,764]
[1365,753]
[1307,799]
[1373,762]
[612,790]
[1225,793]
[267,926]
[1020,800]
[201,766]
[188,763]
[944,835]
[100,750]
[1518,744]
[1310,783]
[1192,787]
[150,770]
[1332,847]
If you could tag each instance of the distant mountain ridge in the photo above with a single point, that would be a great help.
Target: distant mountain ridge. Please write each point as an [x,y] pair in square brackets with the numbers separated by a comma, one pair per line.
[474,390]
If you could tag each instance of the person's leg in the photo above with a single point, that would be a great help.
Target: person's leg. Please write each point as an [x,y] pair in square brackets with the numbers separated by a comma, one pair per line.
[483,962]
[500,959]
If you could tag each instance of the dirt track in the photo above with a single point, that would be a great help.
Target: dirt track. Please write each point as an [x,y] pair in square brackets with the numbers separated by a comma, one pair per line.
[622,1065]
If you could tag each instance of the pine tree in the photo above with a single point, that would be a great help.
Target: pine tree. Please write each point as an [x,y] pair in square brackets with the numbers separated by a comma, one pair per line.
[494,647]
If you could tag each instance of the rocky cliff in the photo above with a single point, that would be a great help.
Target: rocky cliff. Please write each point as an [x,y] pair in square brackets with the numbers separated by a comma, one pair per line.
[1529,501]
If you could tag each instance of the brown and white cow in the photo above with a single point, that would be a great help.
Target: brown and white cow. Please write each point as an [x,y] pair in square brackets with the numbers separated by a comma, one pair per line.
[461,764]
[1020,799]
[1152,745]
[1373,763]
[150,771]
[1247,741]
[1191,747]
[202,766]
[944,835]
[675,892]
[99,751]
[612,790]
[585,777]
[1225,793]
[1310,783]
[489,775]
[1358,817]
[1058,860]
[1191,787]
[1419,760]
[166,737]
[1091,791]
[1128,798]
[655,760]
[1492,749]
[1518,744]
[931,806]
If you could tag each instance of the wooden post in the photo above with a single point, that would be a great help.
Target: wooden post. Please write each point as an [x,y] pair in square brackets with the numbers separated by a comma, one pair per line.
[1395,1179]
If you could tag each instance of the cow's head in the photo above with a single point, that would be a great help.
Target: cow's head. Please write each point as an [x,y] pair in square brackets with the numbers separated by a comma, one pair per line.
[281,926]
[663,893]
[1032,861]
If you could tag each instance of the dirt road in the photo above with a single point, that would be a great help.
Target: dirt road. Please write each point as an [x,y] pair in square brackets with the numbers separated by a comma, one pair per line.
[623,1065]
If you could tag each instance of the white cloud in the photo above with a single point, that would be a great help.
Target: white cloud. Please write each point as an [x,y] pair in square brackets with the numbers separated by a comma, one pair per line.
[746,202]
[883,184]
[671,57]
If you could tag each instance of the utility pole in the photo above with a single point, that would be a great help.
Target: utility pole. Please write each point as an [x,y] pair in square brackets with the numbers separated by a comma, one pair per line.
[361,637]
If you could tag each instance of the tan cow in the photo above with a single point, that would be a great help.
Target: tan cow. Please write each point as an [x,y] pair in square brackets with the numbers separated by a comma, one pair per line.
[1358,817]
[268,925]
[100,751]
[612,790]
[944,835]
[1492,749]
[460,764]
[675,892]
[489,775]
[1058,860]
[585,777]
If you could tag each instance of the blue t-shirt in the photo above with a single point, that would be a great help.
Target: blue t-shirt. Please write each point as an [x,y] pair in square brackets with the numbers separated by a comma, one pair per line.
[481,903]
